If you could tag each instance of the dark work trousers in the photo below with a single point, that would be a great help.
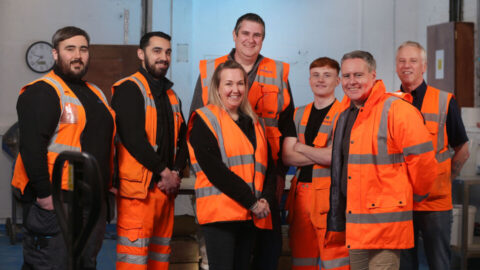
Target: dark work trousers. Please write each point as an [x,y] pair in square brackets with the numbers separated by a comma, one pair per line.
[43,243]
[268,244]
[229,244]
[435,228]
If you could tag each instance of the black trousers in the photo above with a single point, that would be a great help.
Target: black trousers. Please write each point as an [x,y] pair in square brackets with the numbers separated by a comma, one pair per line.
[229,244]
[268,244]
[43,244]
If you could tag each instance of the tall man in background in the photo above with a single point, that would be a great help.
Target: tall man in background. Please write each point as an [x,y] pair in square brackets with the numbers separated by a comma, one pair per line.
[432,217]
[151,154]
[270,96]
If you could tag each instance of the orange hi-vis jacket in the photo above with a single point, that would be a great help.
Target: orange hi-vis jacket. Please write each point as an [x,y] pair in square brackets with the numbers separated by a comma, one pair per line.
[240,157]
[134,177]
[268,95]
[434,110]
[320,173]
[67,133]
[391,163]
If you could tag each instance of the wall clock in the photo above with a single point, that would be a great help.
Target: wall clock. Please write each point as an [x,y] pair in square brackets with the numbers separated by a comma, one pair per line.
[39,57]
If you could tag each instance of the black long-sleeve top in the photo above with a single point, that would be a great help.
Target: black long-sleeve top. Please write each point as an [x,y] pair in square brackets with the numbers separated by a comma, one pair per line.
[129,105]
[39,112]
[207,153]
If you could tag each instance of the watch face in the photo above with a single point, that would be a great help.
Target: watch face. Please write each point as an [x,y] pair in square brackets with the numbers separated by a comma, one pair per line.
[39,57]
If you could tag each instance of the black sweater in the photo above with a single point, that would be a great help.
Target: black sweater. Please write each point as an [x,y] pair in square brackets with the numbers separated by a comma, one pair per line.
[129,106]
[39,111]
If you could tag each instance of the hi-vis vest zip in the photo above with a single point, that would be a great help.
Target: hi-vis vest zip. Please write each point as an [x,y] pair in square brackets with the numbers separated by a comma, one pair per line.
[268,94]
[240,157]
[67,133]
[134,177]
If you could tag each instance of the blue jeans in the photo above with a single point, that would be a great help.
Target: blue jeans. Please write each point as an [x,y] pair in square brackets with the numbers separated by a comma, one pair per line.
[435,228]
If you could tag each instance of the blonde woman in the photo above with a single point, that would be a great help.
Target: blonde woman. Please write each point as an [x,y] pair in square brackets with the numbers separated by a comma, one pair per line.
[230,156]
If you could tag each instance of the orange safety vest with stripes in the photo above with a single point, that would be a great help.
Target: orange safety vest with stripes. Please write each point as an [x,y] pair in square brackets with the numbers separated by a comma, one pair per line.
[134,177]
[268,95]
[240,157]
[434,110]
[320,173]
[391,163]
[67,133]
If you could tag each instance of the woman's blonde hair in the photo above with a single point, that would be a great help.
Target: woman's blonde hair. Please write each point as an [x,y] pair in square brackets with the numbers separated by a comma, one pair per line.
[214,97]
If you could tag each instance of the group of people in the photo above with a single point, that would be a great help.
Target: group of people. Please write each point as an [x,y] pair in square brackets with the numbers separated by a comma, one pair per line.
[373,170]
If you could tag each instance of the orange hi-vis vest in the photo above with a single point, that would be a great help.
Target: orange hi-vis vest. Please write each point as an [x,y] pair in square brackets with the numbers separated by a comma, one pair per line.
[134,177]
[68,131]
[434,110]
[268,95]
[240,157]
[391,163]
[320,173]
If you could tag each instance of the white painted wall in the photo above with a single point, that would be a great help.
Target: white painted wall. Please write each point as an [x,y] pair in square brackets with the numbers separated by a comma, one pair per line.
[24,22]
[296,32]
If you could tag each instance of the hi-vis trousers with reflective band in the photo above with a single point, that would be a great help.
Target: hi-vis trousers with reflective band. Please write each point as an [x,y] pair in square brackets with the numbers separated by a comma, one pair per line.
[307,242]
[144,230]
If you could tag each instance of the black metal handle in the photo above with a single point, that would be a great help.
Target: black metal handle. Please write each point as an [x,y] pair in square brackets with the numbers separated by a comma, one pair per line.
[76,235]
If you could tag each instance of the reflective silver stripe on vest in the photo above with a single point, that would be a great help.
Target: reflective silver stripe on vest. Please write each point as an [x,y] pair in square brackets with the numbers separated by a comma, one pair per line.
[304,261]
[419,198]
[379,217]
[441,157]
[148,101]
[140,242]
[441,154]
[216,127]
[206,191]
[210,71]
[159,257]
[320,172]
[58,148]
[442,111]
[298,120]
[329,139]
[196,167]
[418,149]
[133,259]
[270,122]
[104,98]
[332,264]
[383,157]
[64,99]
[260,168]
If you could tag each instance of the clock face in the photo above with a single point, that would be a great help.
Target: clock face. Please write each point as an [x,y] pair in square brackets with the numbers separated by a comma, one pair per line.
[39,57]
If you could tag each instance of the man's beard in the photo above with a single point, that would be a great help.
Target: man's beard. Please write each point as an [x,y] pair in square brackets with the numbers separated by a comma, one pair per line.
[157,73]
[66,69]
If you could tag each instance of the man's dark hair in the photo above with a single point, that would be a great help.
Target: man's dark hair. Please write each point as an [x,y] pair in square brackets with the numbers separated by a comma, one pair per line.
[249,17]
[145,40]
[66,33]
